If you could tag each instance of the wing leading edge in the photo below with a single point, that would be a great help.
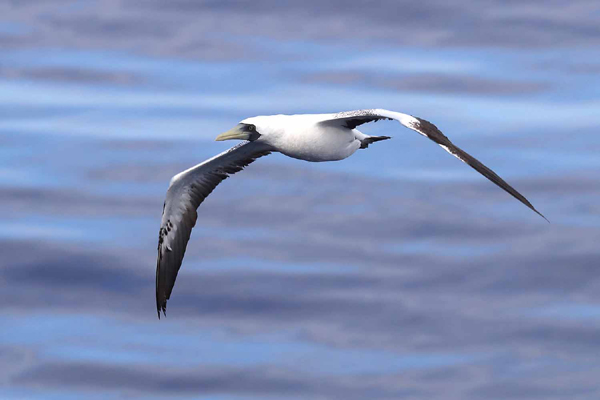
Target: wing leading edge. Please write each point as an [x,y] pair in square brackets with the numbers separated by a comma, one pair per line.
[186,192]
[352,119]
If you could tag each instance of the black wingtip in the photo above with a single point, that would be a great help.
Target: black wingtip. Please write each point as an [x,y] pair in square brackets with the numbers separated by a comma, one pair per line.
[162,308]
[529,205]
[526,202]
[541,215]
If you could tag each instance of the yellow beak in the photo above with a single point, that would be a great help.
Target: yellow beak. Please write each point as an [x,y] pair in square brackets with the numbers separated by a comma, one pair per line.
[237,132]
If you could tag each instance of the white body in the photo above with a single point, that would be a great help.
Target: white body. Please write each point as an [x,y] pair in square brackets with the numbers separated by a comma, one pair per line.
[307,137]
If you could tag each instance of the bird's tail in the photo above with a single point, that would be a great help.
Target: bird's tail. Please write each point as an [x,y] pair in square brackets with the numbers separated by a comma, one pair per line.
[371,139]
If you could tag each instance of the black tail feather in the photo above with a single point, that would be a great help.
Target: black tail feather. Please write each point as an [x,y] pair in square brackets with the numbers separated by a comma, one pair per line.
[372,139]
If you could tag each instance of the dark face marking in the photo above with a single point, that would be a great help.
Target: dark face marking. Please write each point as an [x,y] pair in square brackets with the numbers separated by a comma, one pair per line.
[251,129]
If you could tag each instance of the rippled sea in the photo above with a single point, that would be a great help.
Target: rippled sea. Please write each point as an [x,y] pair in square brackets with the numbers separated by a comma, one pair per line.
[397,273]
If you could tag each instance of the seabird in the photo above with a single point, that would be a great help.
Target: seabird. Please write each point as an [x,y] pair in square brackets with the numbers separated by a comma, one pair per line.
[310,137]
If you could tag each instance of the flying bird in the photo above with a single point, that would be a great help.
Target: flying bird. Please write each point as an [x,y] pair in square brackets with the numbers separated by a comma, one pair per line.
[310,137]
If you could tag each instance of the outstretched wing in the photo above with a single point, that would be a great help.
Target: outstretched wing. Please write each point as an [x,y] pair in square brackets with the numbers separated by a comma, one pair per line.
[352,119]
[186,192]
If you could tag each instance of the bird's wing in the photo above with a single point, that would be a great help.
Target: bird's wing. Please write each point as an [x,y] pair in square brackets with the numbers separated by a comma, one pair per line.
[186,192]
[352,119]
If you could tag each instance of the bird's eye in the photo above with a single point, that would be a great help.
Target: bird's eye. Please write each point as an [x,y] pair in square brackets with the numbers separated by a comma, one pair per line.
[251,128]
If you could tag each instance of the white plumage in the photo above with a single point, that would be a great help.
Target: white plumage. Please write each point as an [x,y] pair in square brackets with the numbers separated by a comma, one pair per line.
[310,137]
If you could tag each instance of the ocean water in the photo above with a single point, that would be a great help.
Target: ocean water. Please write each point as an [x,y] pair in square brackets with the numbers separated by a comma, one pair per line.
[397,273]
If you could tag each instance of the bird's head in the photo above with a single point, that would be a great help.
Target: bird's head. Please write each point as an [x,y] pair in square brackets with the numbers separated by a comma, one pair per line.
[241,131]
[263,127]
